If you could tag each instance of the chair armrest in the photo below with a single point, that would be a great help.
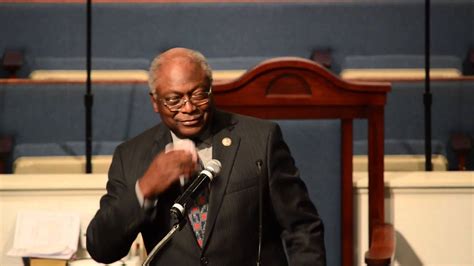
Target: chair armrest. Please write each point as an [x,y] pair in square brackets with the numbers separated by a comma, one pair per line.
[382,248]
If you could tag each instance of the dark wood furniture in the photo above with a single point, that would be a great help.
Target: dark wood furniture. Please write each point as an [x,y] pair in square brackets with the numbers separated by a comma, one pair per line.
[295,88]
[6,147]
[12,61]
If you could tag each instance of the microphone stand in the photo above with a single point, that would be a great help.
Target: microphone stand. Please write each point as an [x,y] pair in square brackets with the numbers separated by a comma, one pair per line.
[427,96]
[176,227]
[89,97]
[260,211]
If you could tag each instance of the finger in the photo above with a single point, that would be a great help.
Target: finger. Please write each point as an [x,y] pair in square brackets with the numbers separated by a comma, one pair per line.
[187,155]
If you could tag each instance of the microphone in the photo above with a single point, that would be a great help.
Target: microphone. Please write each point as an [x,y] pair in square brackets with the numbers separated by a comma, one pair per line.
[211,170]
[178,209]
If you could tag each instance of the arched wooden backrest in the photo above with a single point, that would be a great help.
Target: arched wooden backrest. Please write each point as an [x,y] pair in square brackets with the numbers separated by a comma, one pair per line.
[296,88]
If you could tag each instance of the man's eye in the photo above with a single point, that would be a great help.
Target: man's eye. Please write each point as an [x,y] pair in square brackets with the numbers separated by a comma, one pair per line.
[172,100]
[199,96]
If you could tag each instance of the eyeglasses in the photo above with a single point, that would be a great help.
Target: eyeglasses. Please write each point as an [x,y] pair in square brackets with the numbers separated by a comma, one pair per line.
[176,102]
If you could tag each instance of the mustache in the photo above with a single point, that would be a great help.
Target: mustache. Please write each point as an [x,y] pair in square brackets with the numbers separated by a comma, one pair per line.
[188,118]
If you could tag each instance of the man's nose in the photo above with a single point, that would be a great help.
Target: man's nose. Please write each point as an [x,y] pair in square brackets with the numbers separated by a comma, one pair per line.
[188,106]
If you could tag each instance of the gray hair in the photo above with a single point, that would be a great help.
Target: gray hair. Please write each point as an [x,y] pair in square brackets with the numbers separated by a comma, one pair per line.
[195,56]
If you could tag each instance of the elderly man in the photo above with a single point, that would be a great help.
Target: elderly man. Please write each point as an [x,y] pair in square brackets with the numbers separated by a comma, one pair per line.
[149,171]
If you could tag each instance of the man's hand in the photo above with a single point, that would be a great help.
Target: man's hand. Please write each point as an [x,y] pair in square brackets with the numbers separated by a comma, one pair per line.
[165,169]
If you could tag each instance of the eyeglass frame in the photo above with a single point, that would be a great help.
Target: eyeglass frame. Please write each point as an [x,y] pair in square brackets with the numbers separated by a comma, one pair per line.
[182,100]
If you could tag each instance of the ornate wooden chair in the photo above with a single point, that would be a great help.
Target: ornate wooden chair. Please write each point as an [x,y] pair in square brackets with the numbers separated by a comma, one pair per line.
[295,88]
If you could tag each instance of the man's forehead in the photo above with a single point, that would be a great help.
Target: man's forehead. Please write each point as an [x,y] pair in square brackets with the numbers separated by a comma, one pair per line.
[179,77]
[181,68]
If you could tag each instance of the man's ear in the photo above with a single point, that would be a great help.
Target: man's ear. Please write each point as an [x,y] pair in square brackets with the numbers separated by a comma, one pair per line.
[155,104]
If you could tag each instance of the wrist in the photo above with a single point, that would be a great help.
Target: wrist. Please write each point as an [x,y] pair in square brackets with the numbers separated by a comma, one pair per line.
[145,189]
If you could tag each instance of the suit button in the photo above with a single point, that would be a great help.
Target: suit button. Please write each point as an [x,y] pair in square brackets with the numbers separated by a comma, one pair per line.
[204,261]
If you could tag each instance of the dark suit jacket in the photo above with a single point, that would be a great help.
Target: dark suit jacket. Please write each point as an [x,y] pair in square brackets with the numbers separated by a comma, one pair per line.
[231,236]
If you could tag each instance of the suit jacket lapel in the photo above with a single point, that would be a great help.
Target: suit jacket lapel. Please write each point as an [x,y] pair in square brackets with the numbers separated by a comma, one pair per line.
[225,144]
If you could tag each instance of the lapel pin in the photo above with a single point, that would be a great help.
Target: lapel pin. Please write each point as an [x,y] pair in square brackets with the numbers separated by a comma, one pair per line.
[226,142]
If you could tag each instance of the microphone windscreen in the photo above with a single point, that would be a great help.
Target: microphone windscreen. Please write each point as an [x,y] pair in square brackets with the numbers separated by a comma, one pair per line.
[214,166]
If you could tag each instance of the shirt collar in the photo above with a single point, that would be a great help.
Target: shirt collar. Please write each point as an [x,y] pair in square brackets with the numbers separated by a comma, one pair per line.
[207,139]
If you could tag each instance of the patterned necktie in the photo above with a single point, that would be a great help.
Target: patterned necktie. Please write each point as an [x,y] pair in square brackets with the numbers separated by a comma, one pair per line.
[198,210]
[198,215]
